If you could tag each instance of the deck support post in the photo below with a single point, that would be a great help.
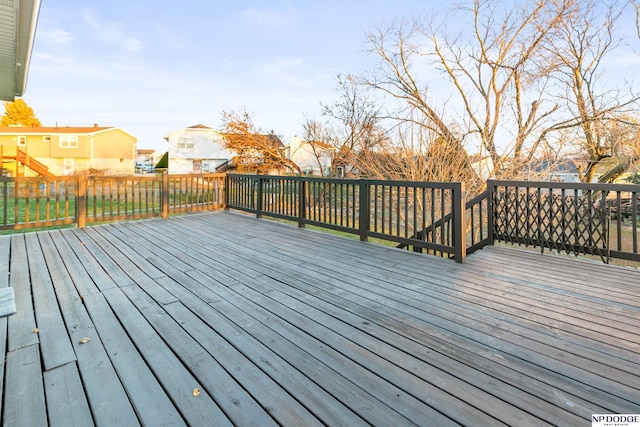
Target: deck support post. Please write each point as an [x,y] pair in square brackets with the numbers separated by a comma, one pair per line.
[259,183]
[302,200]
[364,210]
[490,211]
[459,221]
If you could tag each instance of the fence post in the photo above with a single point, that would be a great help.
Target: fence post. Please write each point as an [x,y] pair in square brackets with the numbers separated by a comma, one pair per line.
[302,202]
[459,221]
[164,194]
[259,197]
[363,210]
[81,201]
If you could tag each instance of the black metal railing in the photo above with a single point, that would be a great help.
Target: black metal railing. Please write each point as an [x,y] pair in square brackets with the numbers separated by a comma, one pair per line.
[591,219]
[396,211]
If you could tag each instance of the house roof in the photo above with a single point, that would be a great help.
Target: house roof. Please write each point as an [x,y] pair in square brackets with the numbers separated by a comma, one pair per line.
[50,130]
[274,141]
[18,21]
[62,130]
[566,166]
[194,127]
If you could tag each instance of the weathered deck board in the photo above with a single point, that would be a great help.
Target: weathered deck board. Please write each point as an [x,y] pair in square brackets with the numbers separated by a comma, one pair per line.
[275,325]
[280,267]
[54,340]
[22,330]
[151,403]
[23,394]
[67,404]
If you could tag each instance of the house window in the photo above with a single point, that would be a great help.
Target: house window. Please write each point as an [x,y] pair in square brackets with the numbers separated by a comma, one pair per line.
[46,138]
[22,141]
[186,143]
[68,141]
[68,166]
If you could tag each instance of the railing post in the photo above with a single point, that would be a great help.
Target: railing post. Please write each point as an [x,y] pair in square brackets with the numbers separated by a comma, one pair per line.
[222,191]
[165,195]
[302,202]
[81,201]
[227,190]
[490,211]
[259,197]
[364,210]
[459,221]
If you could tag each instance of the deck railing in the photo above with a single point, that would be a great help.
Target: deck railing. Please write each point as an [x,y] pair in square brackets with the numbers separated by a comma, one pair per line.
[396,211]
[53,201]
[593,219]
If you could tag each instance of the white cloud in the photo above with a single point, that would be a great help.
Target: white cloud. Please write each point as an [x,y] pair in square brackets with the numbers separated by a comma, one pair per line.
[112,32]
[55,36]
[269,18]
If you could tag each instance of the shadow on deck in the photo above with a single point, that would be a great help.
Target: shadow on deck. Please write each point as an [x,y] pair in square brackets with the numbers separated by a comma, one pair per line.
[223,319]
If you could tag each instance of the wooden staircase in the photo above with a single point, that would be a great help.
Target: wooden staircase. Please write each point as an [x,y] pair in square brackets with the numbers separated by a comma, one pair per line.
[16,154]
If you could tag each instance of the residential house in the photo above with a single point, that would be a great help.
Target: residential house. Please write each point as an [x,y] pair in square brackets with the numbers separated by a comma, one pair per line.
[196,149]
[312,157]
[29,151]
[17,32]
[563,170]
[147,158]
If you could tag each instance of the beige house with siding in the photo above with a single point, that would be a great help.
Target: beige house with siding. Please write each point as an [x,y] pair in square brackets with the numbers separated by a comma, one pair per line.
[31,151]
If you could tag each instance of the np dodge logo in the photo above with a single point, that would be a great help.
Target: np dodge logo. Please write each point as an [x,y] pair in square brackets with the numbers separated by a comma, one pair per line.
[613,420]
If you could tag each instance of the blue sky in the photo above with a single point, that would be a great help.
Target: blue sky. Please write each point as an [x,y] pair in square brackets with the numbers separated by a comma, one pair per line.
[151,67]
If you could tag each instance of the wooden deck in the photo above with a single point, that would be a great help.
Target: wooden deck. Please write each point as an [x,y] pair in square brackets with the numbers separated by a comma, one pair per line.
[223,319]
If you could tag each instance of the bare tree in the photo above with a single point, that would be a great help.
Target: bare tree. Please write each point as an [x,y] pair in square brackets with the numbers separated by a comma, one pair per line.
[495,75]
[598,112]
[322,142]
[351,125]
[255,150]
[511,79]
[416,153]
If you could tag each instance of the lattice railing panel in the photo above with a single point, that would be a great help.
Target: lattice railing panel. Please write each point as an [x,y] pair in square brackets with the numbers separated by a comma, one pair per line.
[572,222]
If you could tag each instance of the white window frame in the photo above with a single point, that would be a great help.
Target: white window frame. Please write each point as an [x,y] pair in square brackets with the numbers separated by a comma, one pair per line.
[22,141]
[68,141]
[188,143]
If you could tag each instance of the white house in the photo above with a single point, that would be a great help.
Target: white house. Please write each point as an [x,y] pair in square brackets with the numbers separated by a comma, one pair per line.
[312,157]
[147,158]
[196,149]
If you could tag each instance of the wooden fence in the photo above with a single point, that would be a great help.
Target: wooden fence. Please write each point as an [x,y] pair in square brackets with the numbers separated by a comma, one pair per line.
[55,201]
